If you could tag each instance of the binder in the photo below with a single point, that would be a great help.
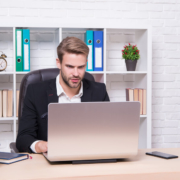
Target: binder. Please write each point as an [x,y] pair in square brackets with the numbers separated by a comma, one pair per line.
[26,50]
[19,50]
[89,42]
[98,51]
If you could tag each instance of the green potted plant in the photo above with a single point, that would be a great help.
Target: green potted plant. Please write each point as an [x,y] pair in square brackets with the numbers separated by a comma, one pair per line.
[131,55]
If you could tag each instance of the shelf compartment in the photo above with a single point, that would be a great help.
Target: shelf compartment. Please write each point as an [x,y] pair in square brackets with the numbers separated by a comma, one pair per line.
[43,44]
[6,46]
[116,39]
[117,84]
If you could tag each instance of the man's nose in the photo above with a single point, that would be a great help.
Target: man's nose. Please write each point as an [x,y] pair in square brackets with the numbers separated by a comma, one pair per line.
[75,72]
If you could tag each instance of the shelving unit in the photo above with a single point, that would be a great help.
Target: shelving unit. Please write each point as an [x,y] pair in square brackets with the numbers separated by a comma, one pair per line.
[44,41]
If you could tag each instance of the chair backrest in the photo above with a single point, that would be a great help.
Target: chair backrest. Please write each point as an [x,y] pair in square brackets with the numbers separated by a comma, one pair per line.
[39,76]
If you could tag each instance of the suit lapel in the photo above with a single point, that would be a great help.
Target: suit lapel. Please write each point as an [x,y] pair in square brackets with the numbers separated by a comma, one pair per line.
[87,92]
[52,92]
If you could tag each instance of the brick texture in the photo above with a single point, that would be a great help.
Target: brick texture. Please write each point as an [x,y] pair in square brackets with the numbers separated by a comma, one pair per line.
[164,17]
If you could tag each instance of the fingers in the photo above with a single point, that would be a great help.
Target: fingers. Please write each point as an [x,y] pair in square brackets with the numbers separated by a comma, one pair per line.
[41,147]
[44,147]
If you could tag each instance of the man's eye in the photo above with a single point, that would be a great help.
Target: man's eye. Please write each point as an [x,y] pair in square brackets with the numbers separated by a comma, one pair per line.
[81,67]
[69,66]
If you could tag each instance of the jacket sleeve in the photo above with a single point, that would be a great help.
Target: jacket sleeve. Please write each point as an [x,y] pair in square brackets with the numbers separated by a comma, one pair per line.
[27,132]
[106,97]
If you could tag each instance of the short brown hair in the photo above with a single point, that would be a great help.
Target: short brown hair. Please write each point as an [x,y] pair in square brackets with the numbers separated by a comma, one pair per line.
[72,45]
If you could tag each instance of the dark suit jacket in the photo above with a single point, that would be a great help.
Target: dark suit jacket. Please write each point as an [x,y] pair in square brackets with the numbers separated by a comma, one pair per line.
[33,123]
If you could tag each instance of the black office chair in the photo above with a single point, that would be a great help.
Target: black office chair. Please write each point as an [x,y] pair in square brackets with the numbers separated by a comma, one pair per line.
[35,77]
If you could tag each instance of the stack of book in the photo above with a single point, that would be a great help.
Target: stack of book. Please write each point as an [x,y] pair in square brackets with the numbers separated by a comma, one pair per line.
[137,95]
[22,37]
[6,103]
[94,40]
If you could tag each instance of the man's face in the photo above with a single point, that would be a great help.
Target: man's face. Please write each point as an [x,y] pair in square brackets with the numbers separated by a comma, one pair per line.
[72,69]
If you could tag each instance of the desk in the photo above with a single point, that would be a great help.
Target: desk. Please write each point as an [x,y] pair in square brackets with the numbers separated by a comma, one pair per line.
[141,167]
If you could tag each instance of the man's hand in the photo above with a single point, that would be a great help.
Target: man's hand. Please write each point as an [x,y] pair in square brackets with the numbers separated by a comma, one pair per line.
[41,147]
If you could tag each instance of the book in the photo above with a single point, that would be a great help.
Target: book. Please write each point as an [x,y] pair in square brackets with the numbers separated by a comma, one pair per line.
[17,102]
[9,158]
[136,91]
[5,103]
[141,101]
[1,103]
[129,94]
[10,103]
[144,101]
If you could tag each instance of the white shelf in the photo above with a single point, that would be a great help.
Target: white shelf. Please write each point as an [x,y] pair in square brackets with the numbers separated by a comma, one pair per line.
[114,75]
[6,118]
[21,72]
[126,72]
[143,116]
[3,73]
[96,72]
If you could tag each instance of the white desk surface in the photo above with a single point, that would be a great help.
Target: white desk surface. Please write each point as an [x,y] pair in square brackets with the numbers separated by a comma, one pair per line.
[141,167]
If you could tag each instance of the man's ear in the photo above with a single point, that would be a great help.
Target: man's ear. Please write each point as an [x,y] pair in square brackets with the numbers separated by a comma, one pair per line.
[58,64]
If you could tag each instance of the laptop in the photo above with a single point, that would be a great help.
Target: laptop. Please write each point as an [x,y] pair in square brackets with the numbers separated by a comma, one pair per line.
[92,130]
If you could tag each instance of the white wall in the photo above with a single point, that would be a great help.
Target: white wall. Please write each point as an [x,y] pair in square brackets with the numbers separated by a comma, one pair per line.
[163,15]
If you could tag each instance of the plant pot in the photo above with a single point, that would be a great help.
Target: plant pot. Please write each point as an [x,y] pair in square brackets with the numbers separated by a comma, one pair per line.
[130,65]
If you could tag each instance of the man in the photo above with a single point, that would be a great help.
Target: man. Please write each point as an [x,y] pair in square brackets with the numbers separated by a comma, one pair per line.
[69,86]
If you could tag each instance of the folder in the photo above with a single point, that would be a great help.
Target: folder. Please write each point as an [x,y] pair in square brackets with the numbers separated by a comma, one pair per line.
[26,50]
[89,42]
[98,51]
[19,50]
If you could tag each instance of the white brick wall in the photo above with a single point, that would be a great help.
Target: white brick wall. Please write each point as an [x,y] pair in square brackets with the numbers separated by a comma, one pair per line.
[164,17]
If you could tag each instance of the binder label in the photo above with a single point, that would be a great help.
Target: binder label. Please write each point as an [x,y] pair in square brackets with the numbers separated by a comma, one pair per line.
[26,57]
[98,57]
[90,57]
[19,41]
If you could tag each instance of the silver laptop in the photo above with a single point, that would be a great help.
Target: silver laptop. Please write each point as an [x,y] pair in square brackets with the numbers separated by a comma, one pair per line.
[92,130]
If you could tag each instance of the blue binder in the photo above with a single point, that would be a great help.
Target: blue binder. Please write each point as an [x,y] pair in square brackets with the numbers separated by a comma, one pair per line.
[89,42]
[26,50]
[98,51]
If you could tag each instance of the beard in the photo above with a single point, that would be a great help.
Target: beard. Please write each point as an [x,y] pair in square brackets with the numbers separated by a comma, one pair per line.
[67,80]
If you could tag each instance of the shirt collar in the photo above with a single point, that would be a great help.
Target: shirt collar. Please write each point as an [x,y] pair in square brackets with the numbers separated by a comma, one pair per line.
[60,90]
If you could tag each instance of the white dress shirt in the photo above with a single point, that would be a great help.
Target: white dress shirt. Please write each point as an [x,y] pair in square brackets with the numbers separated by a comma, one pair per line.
[63,98]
